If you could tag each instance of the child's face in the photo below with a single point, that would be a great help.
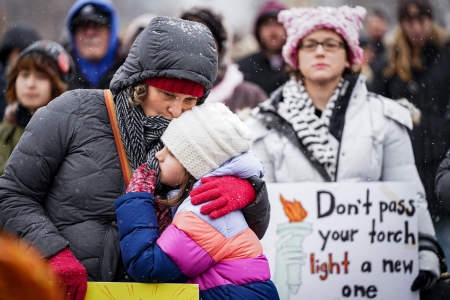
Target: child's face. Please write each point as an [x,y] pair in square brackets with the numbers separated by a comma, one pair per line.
[171,171]
[33,89]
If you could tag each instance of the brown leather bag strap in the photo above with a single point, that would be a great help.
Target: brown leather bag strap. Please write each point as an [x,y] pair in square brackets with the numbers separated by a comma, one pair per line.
[111,107]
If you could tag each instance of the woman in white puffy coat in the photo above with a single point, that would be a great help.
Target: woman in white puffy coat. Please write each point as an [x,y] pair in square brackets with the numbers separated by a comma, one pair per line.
[323,124]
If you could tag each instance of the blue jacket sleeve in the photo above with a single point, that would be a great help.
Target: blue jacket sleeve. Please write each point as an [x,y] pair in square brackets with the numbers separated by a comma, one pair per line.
[138,232]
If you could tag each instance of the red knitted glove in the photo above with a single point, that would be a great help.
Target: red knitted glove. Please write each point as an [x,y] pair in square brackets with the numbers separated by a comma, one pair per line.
[227,193]
[72,274]
[143,180]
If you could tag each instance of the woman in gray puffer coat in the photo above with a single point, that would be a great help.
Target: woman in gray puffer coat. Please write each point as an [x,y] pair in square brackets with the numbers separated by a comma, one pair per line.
[323,125]
[60,183]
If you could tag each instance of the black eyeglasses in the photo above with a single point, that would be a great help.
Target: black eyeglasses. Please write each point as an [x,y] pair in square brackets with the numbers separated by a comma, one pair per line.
[327,45]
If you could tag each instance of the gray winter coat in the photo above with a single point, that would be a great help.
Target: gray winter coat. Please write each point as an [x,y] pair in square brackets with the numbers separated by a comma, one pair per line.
[374,146]
[61,181]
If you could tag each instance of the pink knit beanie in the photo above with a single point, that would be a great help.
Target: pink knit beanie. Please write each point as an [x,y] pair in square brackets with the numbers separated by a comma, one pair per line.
[344,20]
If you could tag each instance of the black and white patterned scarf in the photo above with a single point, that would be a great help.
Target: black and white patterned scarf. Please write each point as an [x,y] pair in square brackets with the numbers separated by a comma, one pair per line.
[141,135]
[312,131]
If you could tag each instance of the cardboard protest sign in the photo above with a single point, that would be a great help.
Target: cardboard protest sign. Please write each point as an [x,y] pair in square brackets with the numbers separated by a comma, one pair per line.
[343,240]
[137,291]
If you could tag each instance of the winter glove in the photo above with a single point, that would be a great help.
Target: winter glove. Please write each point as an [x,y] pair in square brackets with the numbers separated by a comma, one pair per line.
[72,274]
[416,114]
[143,180]
[227,193]
[431,262]
[423,281]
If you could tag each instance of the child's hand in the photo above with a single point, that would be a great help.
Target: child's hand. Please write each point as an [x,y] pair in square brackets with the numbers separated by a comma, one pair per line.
[227,193]
[143,180]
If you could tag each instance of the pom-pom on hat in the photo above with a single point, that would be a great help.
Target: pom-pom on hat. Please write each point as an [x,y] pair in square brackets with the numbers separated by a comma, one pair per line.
[299,22]
[176,85]
[205,137]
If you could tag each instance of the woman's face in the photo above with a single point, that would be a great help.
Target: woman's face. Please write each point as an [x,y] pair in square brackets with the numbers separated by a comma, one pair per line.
[417,30]
[171,170]
[33,89]
[167,104]
[324,62]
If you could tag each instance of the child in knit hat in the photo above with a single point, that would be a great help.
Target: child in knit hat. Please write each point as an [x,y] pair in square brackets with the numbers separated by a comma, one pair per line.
[39,75]
[223,256]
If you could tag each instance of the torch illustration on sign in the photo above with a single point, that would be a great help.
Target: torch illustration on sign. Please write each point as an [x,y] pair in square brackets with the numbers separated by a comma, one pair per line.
[290,257]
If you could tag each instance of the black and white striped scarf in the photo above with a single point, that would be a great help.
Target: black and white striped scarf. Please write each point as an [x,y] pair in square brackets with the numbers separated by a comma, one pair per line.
[313,132]
[141,135]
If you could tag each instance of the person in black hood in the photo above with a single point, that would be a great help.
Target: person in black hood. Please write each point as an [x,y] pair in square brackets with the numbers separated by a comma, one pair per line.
[266,68]
[17,38]
[59,186]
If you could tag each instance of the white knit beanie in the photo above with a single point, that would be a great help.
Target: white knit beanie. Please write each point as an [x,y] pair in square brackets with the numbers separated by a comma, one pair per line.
[205,137]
